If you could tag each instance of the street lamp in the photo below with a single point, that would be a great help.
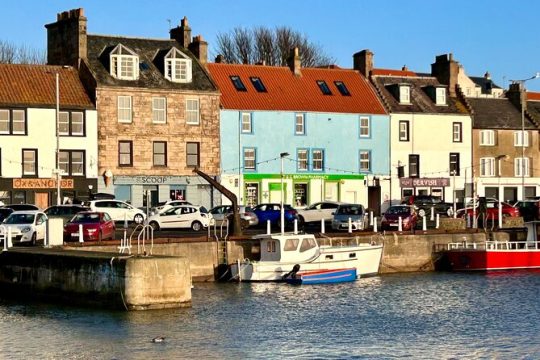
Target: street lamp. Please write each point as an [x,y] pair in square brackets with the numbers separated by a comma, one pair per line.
[282,211]
[499,158]
[58,175]
[523,102]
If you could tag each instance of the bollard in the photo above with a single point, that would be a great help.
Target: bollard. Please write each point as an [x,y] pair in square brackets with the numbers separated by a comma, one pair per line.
[295,226]
[81,239]
[400,224]
[424,225]
[46,235]
[322,226]
[437,222]
[10,238]
[350,225]
[432,217]
[371,218]
[468,221]
[268,227]
[5,238]
[375,224]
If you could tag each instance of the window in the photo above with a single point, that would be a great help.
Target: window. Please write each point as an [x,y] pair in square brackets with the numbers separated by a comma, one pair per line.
[246,123]
[487,137]
[29,162]
[124,63]
[364,127]
[324,87]
[71,123]
[12,122]
[124,109]
[249,159]
[177,66]
[299,124]
[238,84]
[192,111]
[302,159]
[404,94]
[318,160]
[521,167]
[454,164]
[440,96]
[125,153]
[365,161]
[342,88]
[258,84]
[457,132]
[0,166]
[404,130]
[160,153]
[414,165]
[159,110]
[72,162]
[192,154]
[487,166]
[521,138]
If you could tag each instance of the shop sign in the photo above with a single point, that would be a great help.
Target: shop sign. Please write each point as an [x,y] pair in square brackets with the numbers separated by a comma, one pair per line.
[424,182]
[329,177]
[42,183]
[150,180]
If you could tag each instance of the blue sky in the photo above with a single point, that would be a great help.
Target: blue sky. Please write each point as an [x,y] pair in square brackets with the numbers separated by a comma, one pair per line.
[498,36]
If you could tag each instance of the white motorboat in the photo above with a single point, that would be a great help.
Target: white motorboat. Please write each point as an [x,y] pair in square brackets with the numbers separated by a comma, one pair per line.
[281,252]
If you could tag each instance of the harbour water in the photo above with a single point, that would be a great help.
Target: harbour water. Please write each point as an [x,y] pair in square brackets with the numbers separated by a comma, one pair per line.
[420,316]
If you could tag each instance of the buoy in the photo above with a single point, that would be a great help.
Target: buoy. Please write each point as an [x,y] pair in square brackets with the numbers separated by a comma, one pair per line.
[158,339]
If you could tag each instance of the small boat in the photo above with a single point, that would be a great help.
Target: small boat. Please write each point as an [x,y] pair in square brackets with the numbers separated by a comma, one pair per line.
[322,277]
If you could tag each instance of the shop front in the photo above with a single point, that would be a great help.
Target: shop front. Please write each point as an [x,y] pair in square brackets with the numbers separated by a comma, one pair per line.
[424,186]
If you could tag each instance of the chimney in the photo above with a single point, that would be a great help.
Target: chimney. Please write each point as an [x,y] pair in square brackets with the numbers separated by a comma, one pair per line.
[219,59]
[182,33]
[446,70]
[294,62]
[66,38]
[363,62]
[514,94]
[404,68]
[487,75]
[199,48]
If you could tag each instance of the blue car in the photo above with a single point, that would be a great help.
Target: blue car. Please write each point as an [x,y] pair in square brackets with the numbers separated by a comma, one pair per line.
[272,212]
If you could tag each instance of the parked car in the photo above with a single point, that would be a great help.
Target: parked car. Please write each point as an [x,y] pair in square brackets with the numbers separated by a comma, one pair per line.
[64,212]
[222,212]
[424,203]
[182,216]
[21,207]
[272,212]
[96,226]
[165,205]
[27,226]
[355,212]
[528,209]
[318,211]
[407,213]
[492,209]
[117,210]
[5,212]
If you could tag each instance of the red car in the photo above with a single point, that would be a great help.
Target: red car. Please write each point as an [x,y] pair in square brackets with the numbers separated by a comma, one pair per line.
[492,210]
[407,213]
[96,226]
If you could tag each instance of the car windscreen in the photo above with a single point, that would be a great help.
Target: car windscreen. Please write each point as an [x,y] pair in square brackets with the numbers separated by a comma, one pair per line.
[85,218]
[350,210]
[203,210]
[399,211]
[20,219]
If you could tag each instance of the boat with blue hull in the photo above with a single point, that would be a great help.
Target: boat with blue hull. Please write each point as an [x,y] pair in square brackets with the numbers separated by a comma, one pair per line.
[322,277]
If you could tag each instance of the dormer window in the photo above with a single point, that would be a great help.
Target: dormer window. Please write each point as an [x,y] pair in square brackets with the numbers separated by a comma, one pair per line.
[124,63]
[440,96]
[177,66]
[404,94]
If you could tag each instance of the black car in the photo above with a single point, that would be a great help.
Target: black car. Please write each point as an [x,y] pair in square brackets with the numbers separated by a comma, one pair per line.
[528,209]
[22,207]
[64,212]
[4,213]
[424,203]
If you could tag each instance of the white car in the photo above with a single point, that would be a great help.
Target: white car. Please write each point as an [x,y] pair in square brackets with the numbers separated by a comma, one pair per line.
[117,210]
[166,205]
[318,211]
[26,226]
[183,216]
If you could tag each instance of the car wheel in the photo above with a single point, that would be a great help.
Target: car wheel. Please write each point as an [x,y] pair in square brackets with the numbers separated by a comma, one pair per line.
[138,219]
[154,225]
[196,226]
[33,241]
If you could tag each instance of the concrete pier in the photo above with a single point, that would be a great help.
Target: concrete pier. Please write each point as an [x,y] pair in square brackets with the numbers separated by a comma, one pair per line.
[96,278]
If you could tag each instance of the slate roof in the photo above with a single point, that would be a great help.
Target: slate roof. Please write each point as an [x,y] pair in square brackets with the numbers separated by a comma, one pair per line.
[288,92]
[392,72]
[421,102]
[484,84]
[35,86]
[496,113]
[150,71]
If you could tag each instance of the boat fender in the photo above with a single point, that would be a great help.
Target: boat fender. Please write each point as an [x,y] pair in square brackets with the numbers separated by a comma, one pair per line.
[292,273]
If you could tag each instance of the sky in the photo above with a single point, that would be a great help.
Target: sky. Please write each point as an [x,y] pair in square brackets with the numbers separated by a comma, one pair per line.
[498,36]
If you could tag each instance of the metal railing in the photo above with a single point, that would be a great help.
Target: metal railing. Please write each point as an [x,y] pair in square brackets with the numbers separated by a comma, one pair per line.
[495,245]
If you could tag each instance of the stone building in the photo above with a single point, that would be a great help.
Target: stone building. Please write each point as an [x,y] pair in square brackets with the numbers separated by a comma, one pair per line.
[158,109]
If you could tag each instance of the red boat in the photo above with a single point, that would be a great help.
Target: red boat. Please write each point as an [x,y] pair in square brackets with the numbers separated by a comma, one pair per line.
[494,255]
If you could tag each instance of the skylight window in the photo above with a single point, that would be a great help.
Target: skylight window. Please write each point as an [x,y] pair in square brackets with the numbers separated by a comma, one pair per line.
[258,84]
[342,88]
[324,87]
[238,84]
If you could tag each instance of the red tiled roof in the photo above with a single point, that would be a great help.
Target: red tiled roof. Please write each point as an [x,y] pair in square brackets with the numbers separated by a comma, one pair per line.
[285,91]
[534,96]
[392,72]
[35,85]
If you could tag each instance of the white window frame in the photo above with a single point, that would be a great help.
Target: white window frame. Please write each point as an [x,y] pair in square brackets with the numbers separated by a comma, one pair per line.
[519,136]
[302,156]
[487,137]
[32,161]
[63,161]
[365,130]
[63,122]
[192,114]
[317,156]
[404,94]
[75,121]
[300,124]
[250,157]
[365,161]
[487,167]
[519,164]
[178,66]
[440,96]
[125,109]
[124,63]
[457,132]
[247,127]
[404,133]
[159,110]
[74,163]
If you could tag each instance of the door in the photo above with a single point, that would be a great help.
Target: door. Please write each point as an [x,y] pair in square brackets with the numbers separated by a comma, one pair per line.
[331,192]
[42,200]
[374,199]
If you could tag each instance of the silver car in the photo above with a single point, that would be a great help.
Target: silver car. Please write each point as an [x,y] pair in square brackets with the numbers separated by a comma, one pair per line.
[222,212]
[355,212]
[318,211]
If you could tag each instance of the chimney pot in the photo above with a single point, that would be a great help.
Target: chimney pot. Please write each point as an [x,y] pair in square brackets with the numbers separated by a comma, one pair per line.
[294,62]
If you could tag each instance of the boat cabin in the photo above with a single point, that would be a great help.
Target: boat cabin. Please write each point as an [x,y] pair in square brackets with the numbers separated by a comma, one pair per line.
[288,247]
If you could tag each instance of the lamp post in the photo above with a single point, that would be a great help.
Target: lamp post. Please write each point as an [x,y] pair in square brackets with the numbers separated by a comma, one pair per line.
[90,187]
[58,174]
[523,102]
[282,211]
[499,158]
